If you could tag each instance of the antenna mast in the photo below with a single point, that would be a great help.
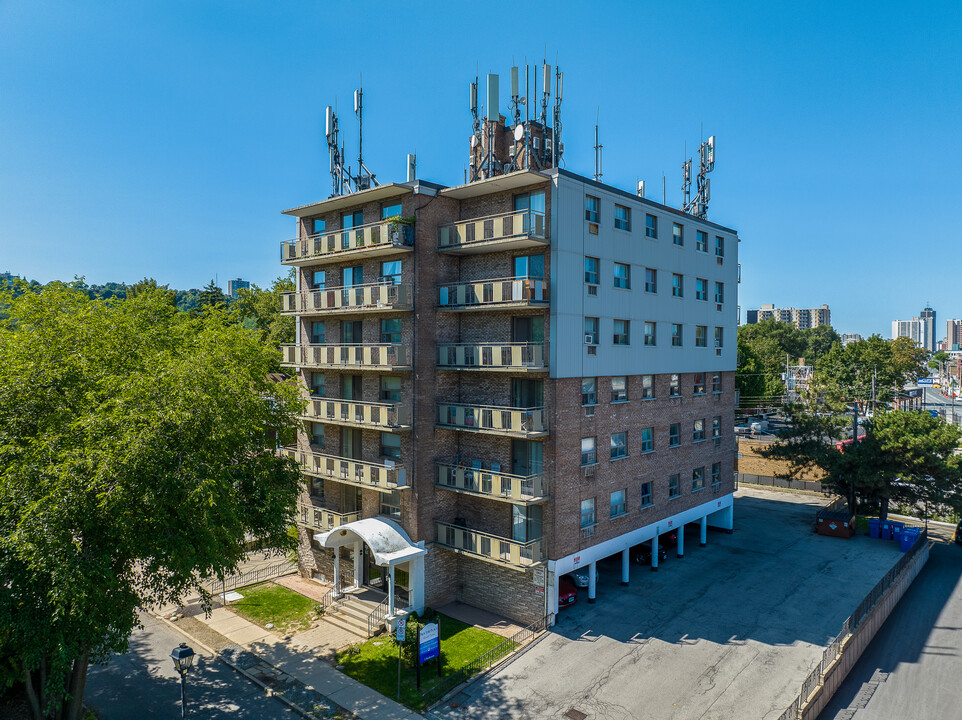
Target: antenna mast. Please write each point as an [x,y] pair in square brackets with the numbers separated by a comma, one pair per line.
[598,147]
[340,175]
[475,131]
[706,163]
[365,178]
[556,120]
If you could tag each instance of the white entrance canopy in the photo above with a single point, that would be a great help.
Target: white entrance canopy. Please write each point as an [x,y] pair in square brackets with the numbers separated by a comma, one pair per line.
[388,542]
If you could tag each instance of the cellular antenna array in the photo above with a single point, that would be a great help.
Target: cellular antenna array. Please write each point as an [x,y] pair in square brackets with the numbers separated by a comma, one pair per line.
[343,180]
[706,163]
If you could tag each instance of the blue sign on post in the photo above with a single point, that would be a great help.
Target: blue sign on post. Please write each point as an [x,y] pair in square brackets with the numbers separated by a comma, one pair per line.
[934,413]
[430,646]
[922,382]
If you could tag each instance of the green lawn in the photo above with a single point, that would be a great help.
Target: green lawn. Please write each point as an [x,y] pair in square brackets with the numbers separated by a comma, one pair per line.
[377,663]
[270,603]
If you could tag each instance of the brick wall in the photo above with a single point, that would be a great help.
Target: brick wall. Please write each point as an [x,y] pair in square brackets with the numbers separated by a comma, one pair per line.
[506,591]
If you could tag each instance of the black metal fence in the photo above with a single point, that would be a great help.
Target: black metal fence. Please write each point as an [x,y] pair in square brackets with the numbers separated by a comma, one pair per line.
[766,480]
[252,576]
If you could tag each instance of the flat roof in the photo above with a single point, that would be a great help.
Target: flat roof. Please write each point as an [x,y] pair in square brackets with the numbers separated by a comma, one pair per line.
[498,183]
[381,192]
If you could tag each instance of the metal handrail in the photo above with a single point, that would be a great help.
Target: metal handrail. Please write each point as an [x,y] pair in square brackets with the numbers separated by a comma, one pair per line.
[379,613]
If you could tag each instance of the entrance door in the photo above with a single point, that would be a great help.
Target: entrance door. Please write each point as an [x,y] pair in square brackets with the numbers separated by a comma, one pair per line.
[375,576]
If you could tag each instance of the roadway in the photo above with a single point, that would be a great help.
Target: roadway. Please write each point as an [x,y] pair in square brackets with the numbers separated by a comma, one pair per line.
[911,669]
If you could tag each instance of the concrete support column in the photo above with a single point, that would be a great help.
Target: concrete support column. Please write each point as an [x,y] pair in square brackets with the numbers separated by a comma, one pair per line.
[358,564]
[681,540]
[591,582]
[390,591]
[337,572]
[704,531]
[654,552]
[624,566]
[416,573]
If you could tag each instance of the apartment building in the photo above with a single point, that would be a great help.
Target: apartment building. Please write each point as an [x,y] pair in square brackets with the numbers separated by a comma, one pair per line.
[920,329]
[507,380]
[802,318]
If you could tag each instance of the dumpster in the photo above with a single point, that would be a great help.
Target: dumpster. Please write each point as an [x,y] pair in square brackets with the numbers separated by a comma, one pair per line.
[886,531]
[873,528]
[909,536]
[897,528]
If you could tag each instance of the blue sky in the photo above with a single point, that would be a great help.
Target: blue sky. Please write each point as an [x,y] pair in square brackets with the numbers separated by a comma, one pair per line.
[162,139]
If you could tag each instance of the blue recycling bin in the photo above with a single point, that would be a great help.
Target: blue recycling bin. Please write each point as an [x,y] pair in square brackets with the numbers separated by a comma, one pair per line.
[897,528]
[909,536]
[886,531]
[873,528]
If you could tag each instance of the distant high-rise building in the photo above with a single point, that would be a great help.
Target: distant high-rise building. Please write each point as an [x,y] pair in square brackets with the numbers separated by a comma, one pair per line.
[234,285]
[802,318]
[927,316]
[953,335]
[850,338]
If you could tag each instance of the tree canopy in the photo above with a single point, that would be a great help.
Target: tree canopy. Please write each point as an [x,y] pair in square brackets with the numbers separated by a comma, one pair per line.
[260,310]
[136,451]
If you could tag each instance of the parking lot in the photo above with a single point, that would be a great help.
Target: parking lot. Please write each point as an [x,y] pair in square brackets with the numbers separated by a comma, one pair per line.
[729,631]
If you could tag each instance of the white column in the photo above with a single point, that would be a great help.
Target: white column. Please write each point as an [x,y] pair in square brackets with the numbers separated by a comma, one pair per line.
[390,591]
[591,582]
[358,564]
[704,531]
[624,566]
[337,572]
[416,593]
[681,540]
[654,551]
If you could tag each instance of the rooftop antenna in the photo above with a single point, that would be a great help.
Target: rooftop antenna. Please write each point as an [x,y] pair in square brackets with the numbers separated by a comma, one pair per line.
[545,92]
[686,183]
[516,99]
[365,178]
[493,116]
[340,176]
[556,120]
[706,163]
[475,131]
[598,147]
[527,106]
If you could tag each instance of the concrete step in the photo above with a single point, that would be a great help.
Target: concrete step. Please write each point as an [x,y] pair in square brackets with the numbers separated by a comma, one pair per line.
[357,610]
[346,623]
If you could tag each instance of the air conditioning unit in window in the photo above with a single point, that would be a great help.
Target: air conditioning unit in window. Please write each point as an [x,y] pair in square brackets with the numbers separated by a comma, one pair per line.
[592,350]
[720,260]
[717,442]
[589,339]
[592,289]
[718,352]
[589,470]
[718,306]
[588,531]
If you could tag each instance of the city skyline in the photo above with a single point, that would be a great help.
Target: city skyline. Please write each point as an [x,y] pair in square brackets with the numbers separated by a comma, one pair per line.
[164,141]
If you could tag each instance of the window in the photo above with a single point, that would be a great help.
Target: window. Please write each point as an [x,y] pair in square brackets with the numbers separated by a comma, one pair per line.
[719,246]
[391,330]
[716,426]
[529,266]
[619,389]
[697,479]
[650,338]
[701,289]
[622,276]
[701,241]
[677,285]
[317,332]
[651,280]
[316,488]
[698,430]
[390,389]
[676,336]
[390,446]
[618,504]
[588,394]
[647,386]
[592,208]
[352,332]
[318,227]
[645,494]
[715,473]
[648,440]
[719,337]
[389,211]
[587,512]
[530,201]
[674,386]
[674,482]
[621,334]
[317,434]
[318,384]
[588,454]
[619,445]
[674,435]
[391,506]
[591,270]
[318,279]
[678,234]
[716,385]
[701,336]
[391,272]
[622,217]
[351,276]
[719,292]
[699,384]
[651,226]
[591,330]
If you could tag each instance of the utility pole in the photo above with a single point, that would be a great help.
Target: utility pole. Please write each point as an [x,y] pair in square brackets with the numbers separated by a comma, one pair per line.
[874,376]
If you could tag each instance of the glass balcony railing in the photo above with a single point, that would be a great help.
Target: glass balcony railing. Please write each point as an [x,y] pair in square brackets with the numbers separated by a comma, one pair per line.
[494,420]
[319,518]
[385,478]
[494,293]
[506,357]
[384,356]
[508,231]
[376,297]
[490,482]
[380,238]
[378,416]
[487,546]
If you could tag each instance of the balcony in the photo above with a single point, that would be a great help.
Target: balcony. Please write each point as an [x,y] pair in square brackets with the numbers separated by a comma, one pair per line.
[509,231]
[375,416]
[497,357]
[490,483]
[376,297]
[319,518]
[381,238]
[513,292]
[492,548]
[494,420]
[384,478]
[385,356]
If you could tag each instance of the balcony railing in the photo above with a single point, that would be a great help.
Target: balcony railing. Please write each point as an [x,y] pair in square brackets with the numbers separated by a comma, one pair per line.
[490,482]
[506,357]
[385,478]
[501,292]
[384,416]
[376,297]
[320,518]
[515,230]
[379,238]
[488,546]
[386,356]
[494,420]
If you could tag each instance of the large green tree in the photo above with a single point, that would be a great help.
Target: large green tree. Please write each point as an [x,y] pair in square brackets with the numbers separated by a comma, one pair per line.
[875,365]
[260,311]
[136,451]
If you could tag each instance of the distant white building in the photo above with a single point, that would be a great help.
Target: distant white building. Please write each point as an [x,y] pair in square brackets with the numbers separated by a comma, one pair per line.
[850,338]
[802,318]
[920,329]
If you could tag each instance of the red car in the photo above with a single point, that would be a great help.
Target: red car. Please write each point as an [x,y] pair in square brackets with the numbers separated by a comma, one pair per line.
[567,594]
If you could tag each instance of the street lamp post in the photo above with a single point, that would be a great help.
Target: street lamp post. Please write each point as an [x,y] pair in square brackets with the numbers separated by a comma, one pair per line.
[183,658]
